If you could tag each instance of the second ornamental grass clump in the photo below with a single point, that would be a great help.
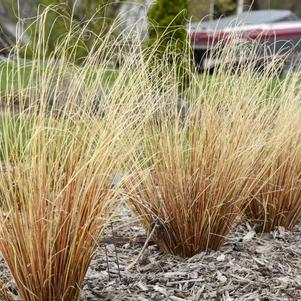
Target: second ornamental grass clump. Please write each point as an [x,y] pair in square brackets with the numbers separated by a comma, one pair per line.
[239,140]
[194,180]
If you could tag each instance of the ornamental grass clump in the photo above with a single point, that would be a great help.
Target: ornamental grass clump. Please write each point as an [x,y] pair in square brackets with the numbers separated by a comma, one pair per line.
[196,176]
[276,200]
[61,146]
[195,171]
[55,202]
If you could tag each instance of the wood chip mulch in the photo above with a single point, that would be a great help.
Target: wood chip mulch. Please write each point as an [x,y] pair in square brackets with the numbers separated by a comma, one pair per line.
[249,266]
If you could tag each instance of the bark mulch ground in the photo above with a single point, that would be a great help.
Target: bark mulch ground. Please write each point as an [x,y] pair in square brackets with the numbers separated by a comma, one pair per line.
[249,266]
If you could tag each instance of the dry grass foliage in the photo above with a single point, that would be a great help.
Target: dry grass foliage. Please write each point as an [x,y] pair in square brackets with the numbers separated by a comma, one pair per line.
[276,200]
[61,147]
[55,203]
[191,172]
[197,174]
[196,177]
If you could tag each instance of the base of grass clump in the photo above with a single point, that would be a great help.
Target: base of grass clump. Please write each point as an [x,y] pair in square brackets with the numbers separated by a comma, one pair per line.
[156,275]
[159,276]
[272,211]
[266,224]
[193,238]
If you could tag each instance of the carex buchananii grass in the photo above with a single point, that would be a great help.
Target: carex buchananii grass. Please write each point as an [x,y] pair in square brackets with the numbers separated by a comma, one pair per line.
[191,166]
[56,199]
[276,200]
[61,147]
[197,171]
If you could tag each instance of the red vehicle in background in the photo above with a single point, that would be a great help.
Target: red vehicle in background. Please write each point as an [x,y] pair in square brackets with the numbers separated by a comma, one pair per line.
[277,30]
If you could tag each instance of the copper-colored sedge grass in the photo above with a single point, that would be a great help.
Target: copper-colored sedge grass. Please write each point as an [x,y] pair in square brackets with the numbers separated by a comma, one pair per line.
[195,179]
[276,200]
[197,174]
[55,203]
[56,178]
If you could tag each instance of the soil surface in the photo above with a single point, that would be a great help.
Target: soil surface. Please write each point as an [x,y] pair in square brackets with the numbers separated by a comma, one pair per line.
[249,266]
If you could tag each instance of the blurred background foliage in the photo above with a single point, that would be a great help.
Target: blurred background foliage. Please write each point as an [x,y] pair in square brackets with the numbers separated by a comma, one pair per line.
[197,8]
[103,12]
[96,16]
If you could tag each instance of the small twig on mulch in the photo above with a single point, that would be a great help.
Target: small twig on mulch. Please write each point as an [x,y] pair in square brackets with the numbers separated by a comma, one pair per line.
[132,264]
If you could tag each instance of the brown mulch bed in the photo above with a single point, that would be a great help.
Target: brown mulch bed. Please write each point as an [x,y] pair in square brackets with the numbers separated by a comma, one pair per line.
[249,266]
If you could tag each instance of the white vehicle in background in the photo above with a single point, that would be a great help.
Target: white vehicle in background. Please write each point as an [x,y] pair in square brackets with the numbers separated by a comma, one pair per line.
[278,30]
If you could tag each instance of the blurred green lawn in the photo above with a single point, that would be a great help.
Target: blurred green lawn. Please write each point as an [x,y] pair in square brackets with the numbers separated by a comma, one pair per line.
[14,75]
[11,74]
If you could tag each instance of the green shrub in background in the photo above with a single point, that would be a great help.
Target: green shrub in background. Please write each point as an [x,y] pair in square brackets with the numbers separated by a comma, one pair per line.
[168,35]
[57,22]
[91,19]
